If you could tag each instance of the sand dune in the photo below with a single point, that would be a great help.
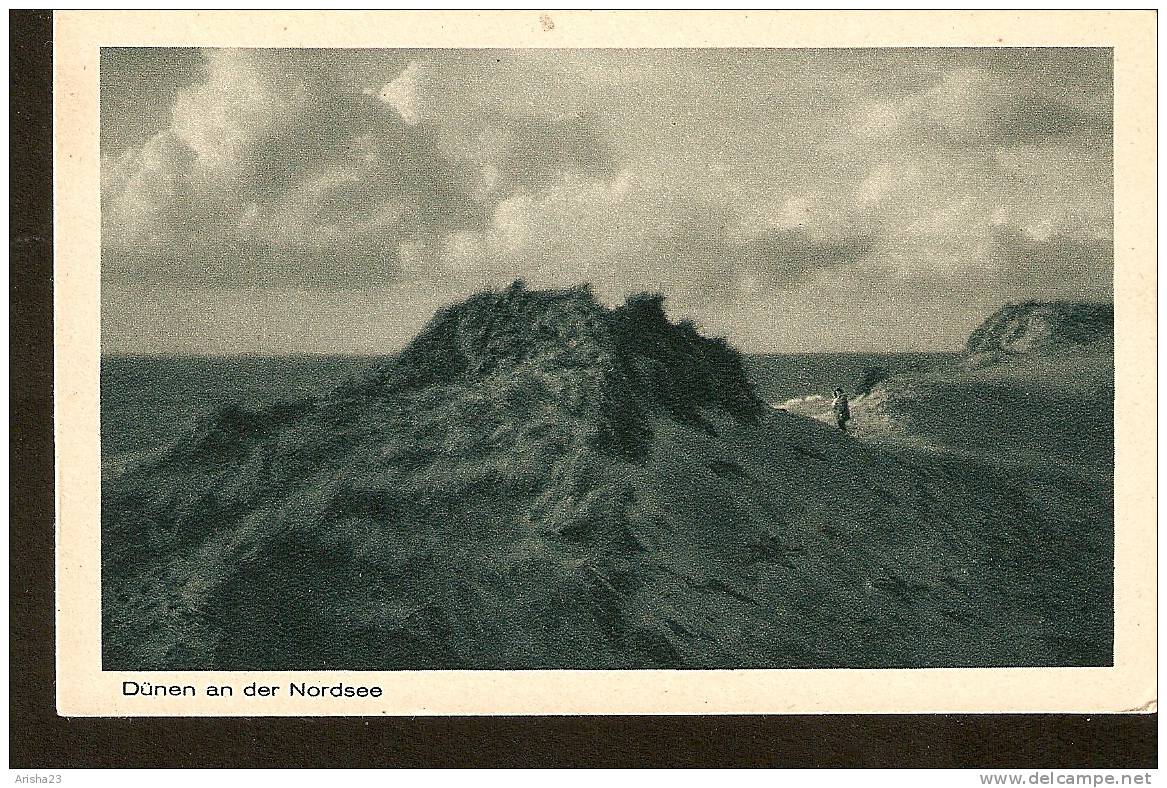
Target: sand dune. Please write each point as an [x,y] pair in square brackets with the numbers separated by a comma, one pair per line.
[541,482]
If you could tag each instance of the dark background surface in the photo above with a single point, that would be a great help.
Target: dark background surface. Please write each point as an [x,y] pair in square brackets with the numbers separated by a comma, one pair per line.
[40,739]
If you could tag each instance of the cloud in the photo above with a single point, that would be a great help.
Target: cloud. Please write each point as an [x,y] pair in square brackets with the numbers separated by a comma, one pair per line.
[138,88]
[514,151]
[532,152]
[630,234]
[404,93]
[567,233]
[276,171]
[995,260]
[724,255]
[738,183]
[975,108]
[1064,259]
[885,180]
[783,258]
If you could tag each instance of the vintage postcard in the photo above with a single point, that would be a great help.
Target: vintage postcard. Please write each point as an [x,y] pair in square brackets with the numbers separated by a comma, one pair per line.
[605,362]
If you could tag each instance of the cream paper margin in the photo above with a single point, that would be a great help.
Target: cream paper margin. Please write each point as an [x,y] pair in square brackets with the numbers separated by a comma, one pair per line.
[83,689]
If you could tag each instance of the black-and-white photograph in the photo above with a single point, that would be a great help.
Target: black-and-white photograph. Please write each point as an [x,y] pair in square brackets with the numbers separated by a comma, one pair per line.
[510,359]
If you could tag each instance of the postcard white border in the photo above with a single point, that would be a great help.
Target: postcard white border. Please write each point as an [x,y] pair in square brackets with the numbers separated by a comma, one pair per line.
[83,689]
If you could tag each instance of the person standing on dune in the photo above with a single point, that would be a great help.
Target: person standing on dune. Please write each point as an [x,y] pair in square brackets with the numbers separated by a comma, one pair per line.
[841,409]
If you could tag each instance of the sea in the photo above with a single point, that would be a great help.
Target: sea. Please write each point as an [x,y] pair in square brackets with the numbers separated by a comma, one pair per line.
[149,401]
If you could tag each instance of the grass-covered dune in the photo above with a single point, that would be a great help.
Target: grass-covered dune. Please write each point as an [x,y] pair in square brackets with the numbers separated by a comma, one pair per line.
[1046,327]
[539,481]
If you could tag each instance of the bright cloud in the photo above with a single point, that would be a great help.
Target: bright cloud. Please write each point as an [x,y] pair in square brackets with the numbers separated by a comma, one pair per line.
[404,92]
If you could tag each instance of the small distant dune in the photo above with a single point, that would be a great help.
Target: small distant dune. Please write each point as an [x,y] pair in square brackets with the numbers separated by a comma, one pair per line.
[1043,328]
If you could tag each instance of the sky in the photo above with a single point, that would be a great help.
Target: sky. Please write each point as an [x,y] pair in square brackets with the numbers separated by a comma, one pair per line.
[269,201]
